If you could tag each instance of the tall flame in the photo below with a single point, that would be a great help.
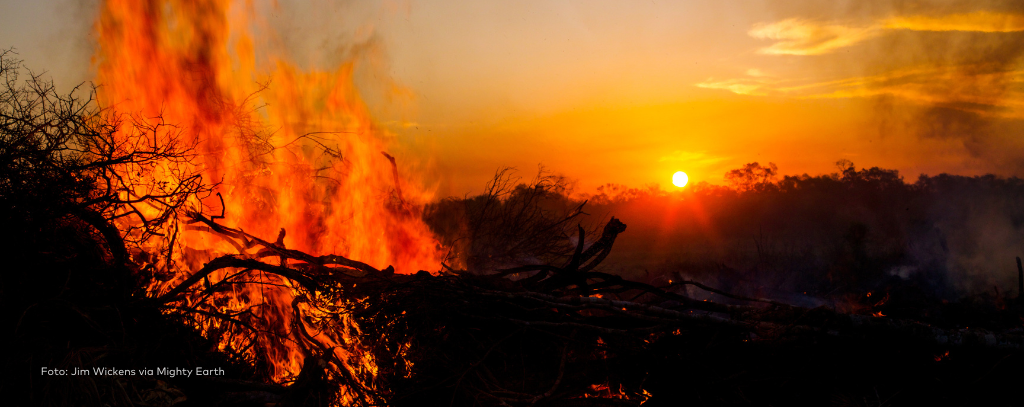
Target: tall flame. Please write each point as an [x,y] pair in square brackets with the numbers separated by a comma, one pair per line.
[286,148]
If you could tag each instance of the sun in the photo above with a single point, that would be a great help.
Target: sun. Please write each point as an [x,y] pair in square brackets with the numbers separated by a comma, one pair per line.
[680,179]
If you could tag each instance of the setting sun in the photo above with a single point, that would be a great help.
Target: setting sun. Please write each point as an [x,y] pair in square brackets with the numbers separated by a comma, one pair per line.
[680,179]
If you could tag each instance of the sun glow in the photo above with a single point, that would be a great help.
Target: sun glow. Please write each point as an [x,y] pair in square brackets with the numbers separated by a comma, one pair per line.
[680,179]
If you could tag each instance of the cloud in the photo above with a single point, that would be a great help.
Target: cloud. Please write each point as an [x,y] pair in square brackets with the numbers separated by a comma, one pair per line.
[737,86]
[982,90]
[951,71]
[985,90]
[796,36]
[758,83]
[978,21]
[970,69]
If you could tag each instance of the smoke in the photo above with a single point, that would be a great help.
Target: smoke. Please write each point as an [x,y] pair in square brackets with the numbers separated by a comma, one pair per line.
[325,34]
[808,239]
[941,72]
[981,225]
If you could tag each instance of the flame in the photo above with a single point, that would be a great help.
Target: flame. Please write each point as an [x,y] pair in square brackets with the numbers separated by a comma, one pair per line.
[286,150]
[604,391]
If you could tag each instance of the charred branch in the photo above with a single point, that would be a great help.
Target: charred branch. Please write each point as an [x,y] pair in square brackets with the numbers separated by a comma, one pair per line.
[394,173]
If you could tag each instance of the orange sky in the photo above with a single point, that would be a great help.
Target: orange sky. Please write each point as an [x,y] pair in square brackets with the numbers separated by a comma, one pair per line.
[629,92]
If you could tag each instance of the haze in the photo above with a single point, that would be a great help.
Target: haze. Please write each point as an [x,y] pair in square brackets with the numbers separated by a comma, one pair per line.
[631,92]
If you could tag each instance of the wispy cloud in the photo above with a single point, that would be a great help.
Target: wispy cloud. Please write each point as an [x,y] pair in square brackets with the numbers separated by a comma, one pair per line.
[978,21]
[737,86]
[796,36]
[986,80]
[988,92]
[981,89]
[757,83]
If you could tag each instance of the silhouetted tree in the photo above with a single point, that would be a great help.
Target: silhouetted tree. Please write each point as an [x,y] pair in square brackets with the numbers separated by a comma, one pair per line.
[752,176]
[77,199]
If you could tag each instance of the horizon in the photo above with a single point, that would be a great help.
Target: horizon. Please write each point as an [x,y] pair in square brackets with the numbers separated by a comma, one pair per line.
[604,93]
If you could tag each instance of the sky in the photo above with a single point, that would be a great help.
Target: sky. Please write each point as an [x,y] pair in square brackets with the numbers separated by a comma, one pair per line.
[628,92]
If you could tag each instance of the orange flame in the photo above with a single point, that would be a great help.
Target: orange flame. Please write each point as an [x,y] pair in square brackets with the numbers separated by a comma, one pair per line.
[286,148]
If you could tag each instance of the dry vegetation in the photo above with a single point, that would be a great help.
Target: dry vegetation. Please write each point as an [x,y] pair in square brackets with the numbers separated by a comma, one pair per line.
[531,307]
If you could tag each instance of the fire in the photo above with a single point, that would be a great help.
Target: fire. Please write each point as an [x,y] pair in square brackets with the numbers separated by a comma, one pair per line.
[291,153]
[605,391]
